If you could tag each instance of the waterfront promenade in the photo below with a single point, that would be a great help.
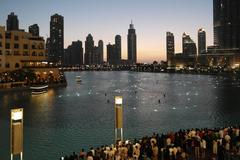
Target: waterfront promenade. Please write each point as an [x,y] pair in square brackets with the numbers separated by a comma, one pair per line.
[202,144]
[23,79]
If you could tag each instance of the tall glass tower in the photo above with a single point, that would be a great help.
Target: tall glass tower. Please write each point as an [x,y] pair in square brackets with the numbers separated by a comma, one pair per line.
[226,23]
[118,48]
[170,45]
[56,38]
[132,45]
[201,41]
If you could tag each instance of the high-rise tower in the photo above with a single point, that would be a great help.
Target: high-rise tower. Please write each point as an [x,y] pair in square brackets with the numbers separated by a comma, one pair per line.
[12,22]
[226,19]
[132,45]
[170,47]
[118,48]
[188,45]
[89,49]
[201,40]
[100,51]
[56,38]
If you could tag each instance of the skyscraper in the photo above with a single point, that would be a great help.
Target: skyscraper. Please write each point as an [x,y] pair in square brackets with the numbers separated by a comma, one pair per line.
[226,23]
[34,30]
[111,54]
[95,56]
[12,22]
[100,51]
[170,47]
[118,48]
[89,49]
[201,40]
[132,45]
[56,38]
[188,45]
[74,54]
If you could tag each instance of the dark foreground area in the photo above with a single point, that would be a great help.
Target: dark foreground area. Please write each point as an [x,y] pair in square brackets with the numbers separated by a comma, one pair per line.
[202,144]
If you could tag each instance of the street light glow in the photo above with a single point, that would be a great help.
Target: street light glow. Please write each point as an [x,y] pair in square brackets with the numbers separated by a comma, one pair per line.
[17,114]
[118,100]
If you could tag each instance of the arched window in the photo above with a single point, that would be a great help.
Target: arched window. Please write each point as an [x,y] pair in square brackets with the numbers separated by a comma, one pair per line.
[17,65]
[34,45]
[34,54]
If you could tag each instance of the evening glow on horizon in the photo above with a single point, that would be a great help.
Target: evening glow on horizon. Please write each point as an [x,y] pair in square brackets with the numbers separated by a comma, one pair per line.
[106,18]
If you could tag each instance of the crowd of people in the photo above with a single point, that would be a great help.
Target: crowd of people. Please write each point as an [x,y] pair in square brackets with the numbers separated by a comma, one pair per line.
[202,144]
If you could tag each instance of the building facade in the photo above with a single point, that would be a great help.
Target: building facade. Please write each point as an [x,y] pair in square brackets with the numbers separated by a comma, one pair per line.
[19,49]
[226,23]
[201,41]
[170,46]
[56,48]
[132,45]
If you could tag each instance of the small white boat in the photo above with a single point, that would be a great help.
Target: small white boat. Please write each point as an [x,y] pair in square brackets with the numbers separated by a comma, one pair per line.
[78,79]
[39,89]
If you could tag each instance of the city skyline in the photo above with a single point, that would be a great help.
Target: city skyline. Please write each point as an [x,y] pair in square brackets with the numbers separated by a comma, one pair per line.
[151,19]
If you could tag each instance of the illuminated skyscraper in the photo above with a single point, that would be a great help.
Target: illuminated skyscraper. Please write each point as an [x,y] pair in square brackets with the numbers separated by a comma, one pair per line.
[56,39]
[226,17]
[132,45]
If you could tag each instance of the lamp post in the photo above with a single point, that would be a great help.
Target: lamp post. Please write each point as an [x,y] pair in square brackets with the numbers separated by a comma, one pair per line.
[16,133]
[118,117]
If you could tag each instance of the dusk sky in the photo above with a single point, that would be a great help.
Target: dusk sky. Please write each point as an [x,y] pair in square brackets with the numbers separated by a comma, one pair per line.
[106,18]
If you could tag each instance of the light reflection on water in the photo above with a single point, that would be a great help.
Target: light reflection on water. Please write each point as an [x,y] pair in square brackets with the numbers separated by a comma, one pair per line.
[67,119]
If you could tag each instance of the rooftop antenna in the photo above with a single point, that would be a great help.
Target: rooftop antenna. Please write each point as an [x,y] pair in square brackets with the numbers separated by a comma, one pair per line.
[131,25]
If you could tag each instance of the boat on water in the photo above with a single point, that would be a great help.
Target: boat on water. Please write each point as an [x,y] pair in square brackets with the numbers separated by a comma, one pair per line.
[78,79]
[39,89]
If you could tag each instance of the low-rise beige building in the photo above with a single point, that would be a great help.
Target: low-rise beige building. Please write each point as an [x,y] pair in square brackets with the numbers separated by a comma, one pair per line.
[18,48]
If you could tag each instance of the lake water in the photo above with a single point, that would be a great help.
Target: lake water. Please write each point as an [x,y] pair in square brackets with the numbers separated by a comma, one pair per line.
[79,116]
